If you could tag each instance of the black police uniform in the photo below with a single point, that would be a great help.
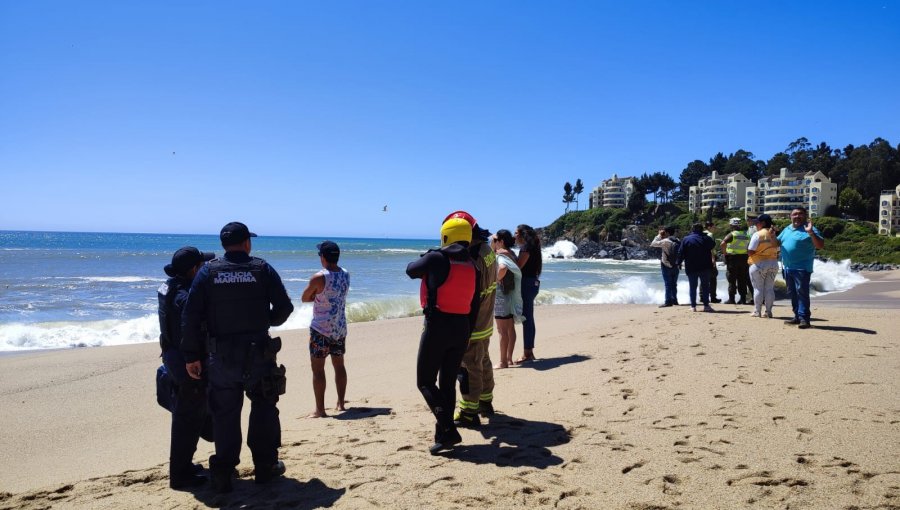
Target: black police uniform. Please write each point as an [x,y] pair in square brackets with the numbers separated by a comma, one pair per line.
[190,419]
[233,294]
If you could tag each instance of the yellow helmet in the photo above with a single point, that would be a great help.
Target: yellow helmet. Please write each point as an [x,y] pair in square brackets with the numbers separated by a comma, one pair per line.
[455,230]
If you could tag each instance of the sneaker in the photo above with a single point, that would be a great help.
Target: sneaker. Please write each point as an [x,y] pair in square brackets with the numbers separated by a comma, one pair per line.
[446,441]
[485,408]
[693,308]
[730,302]
[792,322]
[707,308]
[265,474]
[804,325]
[742,302]
[665,305]
[715,300]
[221,482]
[754,314]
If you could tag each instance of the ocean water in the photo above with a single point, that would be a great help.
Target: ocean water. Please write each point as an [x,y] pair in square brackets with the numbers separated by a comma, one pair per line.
[63,290]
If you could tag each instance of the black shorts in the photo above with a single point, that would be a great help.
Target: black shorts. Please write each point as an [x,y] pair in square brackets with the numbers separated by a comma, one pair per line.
[503,316]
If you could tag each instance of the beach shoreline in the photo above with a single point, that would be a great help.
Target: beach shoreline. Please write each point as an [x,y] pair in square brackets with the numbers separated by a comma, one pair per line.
[629,406]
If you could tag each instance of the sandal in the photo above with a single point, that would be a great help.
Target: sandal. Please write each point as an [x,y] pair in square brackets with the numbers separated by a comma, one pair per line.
[524,359]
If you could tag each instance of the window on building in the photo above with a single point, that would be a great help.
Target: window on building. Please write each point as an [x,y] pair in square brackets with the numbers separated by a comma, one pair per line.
[884,222]
[884,203]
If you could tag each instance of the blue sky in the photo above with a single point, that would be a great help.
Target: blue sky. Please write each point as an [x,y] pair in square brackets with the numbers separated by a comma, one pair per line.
[305,118]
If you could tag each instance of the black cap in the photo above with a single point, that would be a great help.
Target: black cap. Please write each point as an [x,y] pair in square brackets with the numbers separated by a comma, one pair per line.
[327,248]
[235,233]
[186,258]
[480,233]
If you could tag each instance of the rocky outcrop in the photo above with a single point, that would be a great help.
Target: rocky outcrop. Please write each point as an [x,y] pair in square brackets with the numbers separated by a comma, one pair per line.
[588,249]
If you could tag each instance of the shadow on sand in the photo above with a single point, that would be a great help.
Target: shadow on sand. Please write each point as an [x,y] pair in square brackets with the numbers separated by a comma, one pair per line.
[846,329]
[358,413]
[551,363]
[515,442]
[280,493]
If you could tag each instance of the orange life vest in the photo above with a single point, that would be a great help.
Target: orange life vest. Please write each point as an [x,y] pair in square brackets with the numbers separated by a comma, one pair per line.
[455,294]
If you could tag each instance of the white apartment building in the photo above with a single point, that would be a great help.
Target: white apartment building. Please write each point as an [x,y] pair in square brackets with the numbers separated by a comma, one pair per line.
[613,192]
[889,212]
[728,190]
[779,194]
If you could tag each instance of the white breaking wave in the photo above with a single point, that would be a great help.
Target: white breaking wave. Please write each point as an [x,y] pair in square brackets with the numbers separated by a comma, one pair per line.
[560,249]
[60,335]
[114,279]
[834,276]
[647,289]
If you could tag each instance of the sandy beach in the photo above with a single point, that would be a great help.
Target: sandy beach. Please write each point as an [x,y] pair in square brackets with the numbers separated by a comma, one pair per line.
[629,406]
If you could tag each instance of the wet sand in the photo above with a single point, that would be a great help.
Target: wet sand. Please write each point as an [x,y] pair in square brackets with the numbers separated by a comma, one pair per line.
[628,407]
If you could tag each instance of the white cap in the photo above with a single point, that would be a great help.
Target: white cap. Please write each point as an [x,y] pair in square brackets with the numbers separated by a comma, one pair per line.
[735,221]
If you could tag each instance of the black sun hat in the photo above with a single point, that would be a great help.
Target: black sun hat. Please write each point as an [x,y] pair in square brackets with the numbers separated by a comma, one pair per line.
[186,258]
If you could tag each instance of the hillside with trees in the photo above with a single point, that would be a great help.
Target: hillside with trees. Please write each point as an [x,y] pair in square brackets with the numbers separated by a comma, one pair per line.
[861,173]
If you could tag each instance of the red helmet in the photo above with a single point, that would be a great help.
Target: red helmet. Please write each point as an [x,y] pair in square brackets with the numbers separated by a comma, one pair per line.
[464,215]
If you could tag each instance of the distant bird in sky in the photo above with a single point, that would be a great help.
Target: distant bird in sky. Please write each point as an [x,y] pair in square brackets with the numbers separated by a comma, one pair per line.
[385,209]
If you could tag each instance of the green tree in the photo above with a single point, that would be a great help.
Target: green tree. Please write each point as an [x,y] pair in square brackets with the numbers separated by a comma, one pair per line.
[778,161]
[568,196]
[742,162]
[638,199]
[577,190]
[692,173]
[852,203]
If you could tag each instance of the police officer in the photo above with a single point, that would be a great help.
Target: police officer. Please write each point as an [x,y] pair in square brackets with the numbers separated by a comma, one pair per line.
[448,298]
[737,270]
[239,297]
[190,419]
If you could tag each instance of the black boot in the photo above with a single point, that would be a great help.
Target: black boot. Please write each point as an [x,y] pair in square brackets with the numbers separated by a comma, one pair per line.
[267,473]
[444,439]
[220,476]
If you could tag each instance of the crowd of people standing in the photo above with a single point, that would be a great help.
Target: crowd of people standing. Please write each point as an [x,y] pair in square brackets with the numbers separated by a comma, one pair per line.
[751,255]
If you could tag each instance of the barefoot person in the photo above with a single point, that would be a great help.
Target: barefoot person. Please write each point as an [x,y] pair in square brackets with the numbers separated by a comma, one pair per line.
[531,263]
[327,290]
[508,298]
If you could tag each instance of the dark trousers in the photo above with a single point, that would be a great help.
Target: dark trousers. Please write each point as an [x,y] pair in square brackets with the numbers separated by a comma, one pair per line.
[701,277]
[190,419]
[738,274]
[441,348]
[670,280]
[530,288]
[713,282]
[231,374]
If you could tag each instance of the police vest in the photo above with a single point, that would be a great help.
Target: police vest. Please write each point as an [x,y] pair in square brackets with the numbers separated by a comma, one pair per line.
[455,294]
[738,244]
[169,316]
[238,297]
[766,250]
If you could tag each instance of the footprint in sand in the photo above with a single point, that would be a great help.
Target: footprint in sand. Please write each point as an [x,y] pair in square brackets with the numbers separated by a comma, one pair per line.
[628,469]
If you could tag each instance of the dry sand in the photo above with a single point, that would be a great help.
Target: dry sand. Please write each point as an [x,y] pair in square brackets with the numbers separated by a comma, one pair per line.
[629,407]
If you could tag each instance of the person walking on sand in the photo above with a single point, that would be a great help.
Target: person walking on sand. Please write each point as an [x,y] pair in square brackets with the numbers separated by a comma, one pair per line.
[694,254]
[530,261]
[450,305]
[508,298]
[238,297]
[763,258]
[666,241]
[190,416]
[799,242]
[476,374]
[327,290]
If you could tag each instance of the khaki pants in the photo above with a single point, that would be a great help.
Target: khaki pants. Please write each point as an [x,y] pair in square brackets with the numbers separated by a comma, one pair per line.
[477,361]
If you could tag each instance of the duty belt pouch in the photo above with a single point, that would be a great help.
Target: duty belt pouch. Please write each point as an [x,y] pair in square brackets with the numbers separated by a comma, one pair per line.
[165,388]
[272,384]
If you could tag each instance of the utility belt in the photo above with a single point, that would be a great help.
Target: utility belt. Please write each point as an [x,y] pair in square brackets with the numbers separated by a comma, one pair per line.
[247,350]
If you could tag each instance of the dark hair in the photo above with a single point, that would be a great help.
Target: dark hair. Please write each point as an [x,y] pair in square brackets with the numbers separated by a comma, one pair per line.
[670,230]
[765,220]
[331,258]
[532,245]
[505,237]
[801,208]
[697,228]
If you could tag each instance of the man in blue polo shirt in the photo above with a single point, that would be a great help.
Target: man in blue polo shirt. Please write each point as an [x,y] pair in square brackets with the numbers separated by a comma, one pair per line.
[799,242]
